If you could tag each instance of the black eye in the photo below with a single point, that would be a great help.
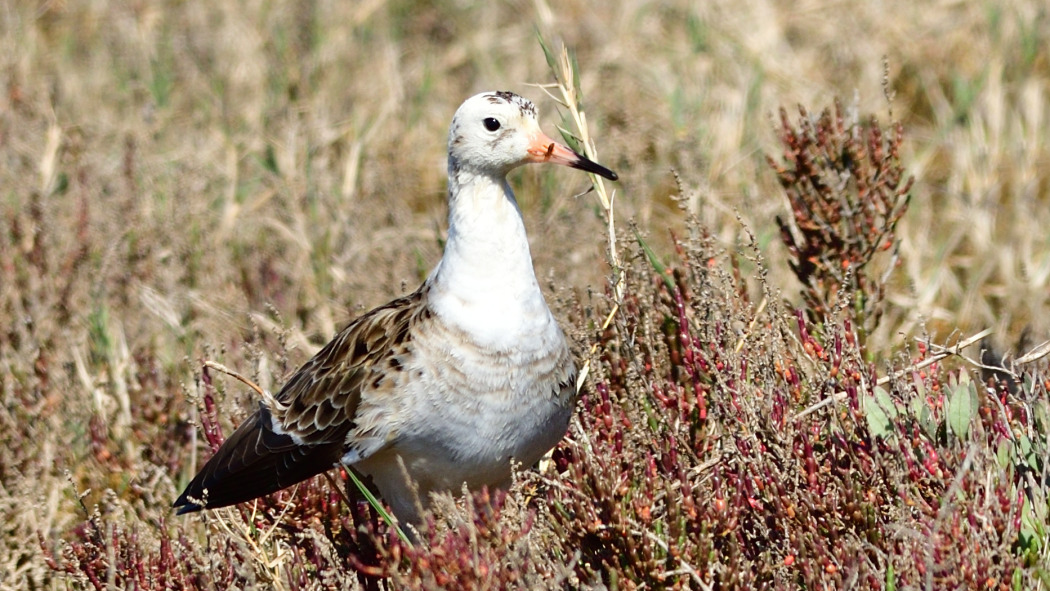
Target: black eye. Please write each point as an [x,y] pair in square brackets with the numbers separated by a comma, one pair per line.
[491,123]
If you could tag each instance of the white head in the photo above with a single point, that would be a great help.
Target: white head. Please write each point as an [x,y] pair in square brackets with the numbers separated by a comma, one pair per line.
[494,132]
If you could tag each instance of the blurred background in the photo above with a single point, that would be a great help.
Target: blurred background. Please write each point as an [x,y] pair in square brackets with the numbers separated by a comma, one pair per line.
[224,157]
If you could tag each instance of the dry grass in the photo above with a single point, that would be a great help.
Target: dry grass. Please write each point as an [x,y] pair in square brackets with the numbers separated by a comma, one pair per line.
[183,181]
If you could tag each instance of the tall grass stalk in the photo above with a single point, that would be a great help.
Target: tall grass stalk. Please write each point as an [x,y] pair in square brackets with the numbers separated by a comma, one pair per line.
[566,91]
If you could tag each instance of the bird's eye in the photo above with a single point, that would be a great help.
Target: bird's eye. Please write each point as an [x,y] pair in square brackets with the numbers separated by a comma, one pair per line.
[491,123]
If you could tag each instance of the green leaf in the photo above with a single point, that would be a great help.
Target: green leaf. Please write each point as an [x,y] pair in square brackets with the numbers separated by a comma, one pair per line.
[570,139]
[920,409]
[1028,385]
[269,160]
[378,506]
[886,402]
[1033,531]
[1041,414]
[1027,452]
[879,411]
[929,423]
[962,407]
[546,51]
[1005,454]
[920,388]
[659,267]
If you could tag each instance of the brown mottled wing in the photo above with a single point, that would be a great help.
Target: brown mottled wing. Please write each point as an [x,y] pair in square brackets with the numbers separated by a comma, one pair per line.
[314,413]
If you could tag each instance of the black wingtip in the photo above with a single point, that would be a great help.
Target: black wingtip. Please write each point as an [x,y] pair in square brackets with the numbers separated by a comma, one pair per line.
[184,504]
[186,508]
[253,462]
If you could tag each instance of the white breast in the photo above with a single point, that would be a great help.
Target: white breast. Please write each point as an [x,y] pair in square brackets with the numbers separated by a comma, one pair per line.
[468,411]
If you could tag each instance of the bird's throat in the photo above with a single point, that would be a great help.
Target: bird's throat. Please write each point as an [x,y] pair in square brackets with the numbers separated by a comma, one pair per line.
[485,283]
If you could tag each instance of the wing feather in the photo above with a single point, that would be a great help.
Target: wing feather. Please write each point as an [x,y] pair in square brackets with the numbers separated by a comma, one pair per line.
[313,422]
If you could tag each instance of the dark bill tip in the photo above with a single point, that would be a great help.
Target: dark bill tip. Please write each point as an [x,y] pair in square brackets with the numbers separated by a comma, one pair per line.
[582,163]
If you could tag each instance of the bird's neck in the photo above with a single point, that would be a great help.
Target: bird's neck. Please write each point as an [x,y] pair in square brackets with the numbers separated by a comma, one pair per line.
[485,283]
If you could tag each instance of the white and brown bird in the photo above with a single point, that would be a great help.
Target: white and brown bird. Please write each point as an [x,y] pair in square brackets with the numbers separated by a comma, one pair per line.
[445,386]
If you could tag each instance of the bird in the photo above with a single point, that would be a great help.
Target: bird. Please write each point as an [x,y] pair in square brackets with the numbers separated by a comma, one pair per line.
[444,387]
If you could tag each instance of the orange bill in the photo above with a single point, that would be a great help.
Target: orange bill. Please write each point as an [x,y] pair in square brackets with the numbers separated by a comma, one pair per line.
[544,149]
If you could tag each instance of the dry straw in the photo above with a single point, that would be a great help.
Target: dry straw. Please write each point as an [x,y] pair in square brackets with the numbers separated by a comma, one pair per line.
[566,91]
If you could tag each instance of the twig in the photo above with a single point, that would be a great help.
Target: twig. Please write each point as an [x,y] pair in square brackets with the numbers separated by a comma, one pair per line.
[235,375]
[943,353]
[711,463]
[258,552]
[268,398]
[751,326]
[1035,354]
[684,566]
[335,485]
[284,511]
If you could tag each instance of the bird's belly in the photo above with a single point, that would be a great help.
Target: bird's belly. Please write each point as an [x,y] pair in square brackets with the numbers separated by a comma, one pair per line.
[474,441]
[464,414]
[457,430]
